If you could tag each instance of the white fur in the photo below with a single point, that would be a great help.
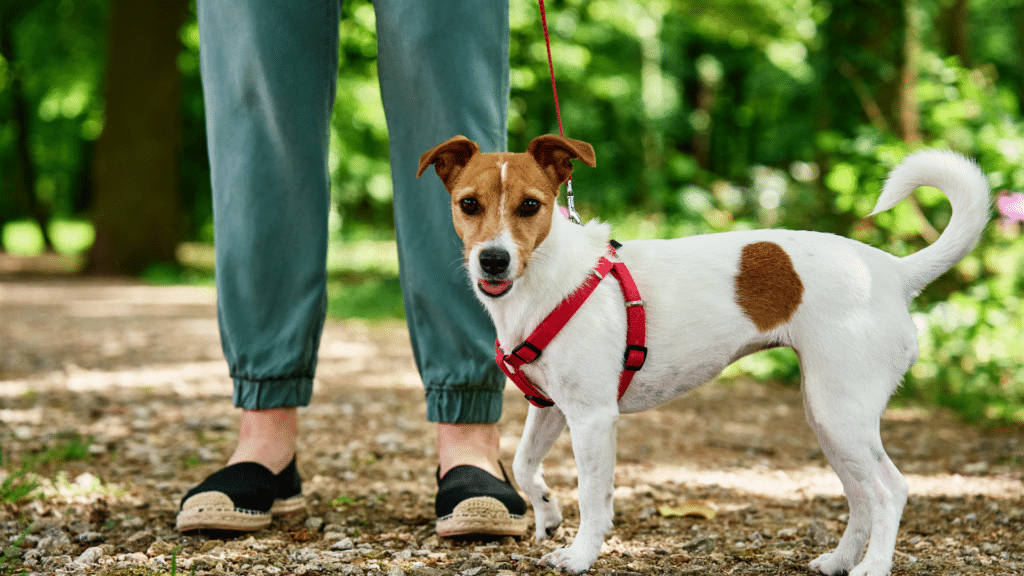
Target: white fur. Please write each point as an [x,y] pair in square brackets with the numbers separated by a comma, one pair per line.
[852,333]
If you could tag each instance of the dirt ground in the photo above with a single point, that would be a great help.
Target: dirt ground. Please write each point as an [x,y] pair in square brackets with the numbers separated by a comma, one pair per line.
[119,394]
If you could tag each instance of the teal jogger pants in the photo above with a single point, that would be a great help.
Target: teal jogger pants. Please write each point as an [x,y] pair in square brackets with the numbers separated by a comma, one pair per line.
[269,73]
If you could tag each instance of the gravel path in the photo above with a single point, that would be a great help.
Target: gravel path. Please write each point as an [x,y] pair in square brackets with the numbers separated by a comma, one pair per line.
[117,395]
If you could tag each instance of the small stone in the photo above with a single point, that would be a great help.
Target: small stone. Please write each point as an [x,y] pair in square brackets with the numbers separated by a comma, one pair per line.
[161,548]
[133,523]
[424,570]
[976,468]
[210,545]
[91,537]
[140,540]
[342,544]
[991,548]
[133,558]
[701,545]
[53,539]
[786,534]
[332,535]
[52,563]
[90,556]
[314,523]
[819,535]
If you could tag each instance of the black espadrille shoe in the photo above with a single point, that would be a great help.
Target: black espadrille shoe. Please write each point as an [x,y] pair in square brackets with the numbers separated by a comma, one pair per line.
[473,503]
[242,497]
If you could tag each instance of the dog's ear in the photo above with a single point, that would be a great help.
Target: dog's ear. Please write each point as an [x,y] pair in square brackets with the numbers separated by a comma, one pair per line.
[448,158]
[555,154]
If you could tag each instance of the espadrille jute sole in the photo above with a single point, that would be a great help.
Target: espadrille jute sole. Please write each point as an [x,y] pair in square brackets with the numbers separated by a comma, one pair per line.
[482,515]
[216,511]
[291,505]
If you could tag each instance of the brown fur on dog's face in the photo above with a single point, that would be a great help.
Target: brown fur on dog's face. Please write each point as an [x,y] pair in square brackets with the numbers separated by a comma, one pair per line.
[505,193]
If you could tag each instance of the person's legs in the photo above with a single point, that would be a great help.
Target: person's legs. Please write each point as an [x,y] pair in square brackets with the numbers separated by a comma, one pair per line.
[443,69]
[269,73]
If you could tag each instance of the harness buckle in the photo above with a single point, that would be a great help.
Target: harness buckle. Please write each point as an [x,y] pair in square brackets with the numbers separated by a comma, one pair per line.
[539,402]
[529,355]
[634,358]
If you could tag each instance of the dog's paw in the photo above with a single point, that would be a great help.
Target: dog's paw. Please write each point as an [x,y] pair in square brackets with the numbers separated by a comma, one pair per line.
[571,560]
[549,517]
[830,564]
[872,567]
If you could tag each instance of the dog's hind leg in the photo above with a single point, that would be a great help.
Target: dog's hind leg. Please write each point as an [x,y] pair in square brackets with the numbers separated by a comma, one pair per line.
[543,427]
[844,410]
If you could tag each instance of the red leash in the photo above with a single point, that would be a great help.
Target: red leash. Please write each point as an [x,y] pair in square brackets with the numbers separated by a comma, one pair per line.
[551,67]
[558,111]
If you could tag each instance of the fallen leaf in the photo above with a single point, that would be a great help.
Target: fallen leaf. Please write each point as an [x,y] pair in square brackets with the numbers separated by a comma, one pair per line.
[694,508]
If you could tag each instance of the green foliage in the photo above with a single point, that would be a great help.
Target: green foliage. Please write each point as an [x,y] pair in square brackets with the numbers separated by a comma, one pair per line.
[55,61]
[68,236]
[367,296]
[705,117]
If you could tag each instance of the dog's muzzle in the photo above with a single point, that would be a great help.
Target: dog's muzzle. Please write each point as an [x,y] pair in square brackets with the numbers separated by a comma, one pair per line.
[494,264]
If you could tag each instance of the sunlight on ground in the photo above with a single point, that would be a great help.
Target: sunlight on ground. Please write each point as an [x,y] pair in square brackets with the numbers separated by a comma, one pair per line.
[376,356]
[810,481]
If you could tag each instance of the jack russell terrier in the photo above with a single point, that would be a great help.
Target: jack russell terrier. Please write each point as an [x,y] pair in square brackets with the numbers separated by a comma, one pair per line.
[706,301]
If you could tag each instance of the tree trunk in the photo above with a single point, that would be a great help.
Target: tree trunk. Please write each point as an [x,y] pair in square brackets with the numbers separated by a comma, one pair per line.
[909,112]
[952,27]
[136,207]
[862,62]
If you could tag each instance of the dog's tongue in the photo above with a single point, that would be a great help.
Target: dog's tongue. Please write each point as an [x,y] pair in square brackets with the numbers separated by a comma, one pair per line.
[494,288]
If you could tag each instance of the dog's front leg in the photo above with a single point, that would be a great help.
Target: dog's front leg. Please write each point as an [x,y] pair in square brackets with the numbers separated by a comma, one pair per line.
[543,427]
[593,432]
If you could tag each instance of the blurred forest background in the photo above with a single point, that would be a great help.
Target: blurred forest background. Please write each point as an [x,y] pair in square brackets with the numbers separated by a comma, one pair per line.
[706,116]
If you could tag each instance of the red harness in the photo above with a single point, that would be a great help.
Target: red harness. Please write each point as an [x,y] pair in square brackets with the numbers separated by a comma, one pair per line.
[531,348]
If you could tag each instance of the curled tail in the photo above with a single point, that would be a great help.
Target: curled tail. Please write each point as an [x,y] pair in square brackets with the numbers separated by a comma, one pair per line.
[965,185]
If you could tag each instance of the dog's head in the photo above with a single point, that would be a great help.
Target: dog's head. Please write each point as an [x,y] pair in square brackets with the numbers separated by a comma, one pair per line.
[503,203]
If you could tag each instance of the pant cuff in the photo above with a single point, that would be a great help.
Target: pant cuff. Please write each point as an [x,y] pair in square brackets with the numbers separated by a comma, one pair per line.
[263,394]
[464,405]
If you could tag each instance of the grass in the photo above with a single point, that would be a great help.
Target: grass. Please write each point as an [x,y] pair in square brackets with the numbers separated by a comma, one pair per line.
[69,447]
[18,486]
[23,483]
[13,550]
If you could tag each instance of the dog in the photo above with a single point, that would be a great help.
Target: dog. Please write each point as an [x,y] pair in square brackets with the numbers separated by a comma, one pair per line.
[709,300]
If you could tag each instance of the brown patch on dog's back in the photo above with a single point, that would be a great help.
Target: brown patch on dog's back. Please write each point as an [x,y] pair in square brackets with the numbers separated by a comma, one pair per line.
[768,289]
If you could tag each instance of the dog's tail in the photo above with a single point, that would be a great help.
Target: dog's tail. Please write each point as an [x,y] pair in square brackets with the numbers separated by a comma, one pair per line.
[962,181]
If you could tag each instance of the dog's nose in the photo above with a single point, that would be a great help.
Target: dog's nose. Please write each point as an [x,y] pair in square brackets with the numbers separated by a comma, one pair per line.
[494,261]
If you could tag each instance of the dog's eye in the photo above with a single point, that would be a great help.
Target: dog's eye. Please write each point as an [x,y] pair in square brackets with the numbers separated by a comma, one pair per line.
[529,207]
[469,205]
